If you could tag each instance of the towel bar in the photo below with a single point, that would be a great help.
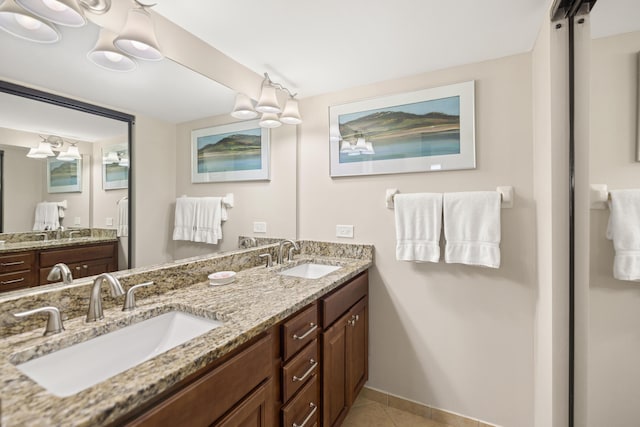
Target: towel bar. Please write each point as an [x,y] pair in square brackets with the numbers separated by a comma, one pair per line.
[599,196]
[506,197]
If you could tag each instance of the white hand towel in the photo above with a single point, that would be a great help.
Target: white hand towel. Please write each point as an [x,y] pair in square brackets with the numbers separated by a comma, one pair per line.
[418,224]
[208,220]
[122,220]
[472,228]
[624,230]
[185,218]
[46,217]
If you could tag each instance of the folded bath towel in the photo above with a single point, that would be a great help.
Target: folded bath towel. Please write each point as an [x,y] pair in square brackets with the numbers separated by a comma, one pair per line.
[185,218]
[472,228]
[122,220]
[418,224]
[46,217]
[209,216]
[624,230]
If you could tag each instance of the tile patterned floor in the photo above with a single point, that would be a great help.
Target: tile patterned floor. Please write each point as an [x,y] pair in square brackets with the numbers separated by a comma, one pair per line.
[367,413]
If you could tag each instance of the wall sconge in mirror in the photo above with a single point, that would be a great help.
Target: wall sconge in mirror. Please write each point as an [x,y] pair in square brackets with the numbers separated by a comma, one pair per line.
[355,147]
[71,154]
[45,147]
[272,114]
[115,167]
[36,20]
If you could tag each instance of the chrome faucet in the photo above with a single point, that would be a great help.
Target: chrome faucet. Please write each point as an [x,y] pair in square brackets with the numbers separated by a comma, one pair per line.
[58,270]
[281,246]
[95,300]
[54,321]
[43,235]
[72,232]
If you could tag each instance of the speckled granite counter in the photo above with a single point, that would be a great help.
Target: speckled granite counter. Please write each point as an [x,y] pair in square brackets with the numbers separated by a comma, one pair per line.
[258,299]
[27,241]
[49,244]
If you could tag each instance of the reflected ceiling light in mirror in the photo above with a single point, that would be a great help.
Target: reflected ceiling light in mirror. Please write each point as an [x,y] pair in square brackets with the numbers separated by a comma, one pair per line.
[361,146]
[105,55]
[63,12]
[243,108]
[269,120]
[71,154]
[138,37]
[111,158]
[43,150]
[21,23]
[269,106]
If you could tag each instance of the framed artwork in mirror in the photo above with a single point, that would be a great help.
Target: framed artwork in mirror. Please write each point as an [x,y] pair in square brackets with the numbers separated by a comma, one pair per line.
[426,130]
[64,176]
[231,152]
[115,167]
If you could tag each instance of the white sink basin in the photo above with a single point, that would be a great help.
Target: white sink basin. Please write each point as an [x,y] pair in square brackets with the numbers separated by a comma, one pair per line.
[73,369]
[310,270]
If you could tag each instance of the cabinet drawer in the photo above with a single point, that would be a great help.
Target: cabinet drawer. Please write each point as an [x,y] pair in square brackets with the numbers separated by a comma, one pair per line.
[299,331]
[299,370]
[304,409]
[15,280]
[204,401]
[337,303]
[75,255]
[17,262]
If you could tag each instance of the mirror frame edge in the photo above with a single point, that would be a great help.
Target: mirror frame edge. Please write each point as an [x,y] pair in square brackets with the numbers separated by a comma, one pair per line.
[74,104]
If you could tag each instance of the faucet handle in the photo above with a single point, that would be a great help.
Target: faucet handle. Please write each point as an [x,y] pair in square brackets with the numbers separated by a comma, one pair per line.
[54,321]
[130,299]
[290,256]
[269,259]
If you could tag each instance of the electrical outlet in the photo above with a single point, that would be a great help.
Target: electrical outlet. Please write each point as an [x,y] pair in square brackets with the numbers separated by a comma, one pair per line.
[77,221]
[344,231]
[259,227]
[108,221]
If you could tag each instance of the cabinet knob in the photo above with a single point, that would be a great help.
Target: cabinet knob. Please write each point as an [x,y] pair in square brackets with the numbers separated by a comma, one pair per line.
[78,268]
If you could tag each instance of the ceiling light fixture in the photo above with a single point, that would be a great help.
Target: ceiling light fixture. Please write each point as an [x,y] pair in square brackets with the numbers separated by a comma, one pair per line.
[269,106]
[71,154]
[25,25]
[105,55]
[138,37]
[63,12]
[45,147]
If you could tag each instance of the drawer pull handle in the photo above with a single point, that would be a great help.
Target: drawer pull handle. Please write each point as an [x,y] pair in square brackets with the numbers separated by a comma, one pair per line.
[306,334]
[9,282]
[304,376]
[9,264]
[314,408]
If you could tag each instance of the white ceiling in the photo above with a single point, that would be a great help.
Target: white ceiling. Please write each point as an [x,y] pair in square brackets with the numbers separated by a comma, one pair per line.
[611,17]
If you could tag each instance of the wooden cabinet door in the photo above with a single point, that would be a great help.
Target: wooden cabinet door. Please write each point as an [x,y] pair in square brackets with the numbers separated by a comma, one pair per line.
[334,385]
[357,340]
[252,412]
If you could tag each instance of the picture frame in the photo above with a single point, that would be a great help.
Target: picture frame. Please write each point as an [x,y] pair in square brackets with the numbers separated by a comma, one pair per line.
[115,167]
[230,152]
[64,176]
[421,131]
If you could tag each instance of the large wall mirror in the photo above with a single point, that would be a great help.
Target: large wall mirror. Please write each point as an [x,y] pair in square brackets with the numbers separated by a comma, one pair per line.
[612,330]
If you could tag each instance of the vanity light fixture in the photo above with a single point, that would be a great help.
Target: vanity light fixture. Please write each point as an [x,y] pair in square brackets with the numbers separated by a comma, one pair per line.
[361,146]
[112,158]
[269,106]
[63,12]
[105,55]
[23,24]
[138,37]
[71,154]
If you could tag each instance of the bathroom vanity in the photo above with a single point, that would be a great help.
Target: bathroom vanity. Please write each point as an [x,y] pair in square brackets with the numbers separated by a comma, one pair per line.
[290,350]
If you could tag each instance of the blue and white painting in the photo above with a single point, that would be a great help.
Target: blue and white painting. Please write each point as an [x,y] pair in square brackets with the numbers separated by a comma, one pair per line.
[420,129]
[229,152]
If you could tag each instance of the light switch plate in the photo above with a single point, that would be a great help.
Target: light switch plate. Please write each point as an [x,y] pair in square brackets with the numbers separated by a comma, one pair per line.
[77,221]
[344,231]
[108,221]
[259,227]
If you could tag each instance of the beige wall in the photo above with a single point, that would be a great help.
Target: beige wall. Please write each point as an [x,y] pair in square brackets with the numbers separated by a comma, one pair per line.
[273,201]
[614,305]
[550,172]
[455,337]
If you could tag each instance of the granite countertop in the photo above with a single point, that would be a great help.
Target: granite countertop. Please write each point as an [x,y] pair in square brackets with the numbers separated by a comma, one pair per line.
[52,243]
[258,299]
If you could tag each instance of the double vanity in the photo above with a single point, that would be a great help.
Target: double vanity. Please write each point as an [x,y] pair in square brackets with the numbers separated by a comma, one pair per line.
[281,345]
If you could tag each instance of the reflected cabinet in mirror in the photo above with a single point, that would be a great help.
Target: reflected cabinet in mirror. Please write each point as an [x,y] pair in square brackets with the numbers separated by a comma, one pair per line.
[610,382]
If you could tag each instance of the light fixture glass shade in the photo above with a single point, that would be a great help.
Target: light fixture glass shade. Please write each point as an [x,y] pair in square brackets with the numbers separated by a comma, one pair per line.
[20,23]
[105,55]
[112,158]
[291,115]
[124,162]
[268,102]
[269,120]
[243,108]
[43,150]
[63,12]
[346,147]
[71,154]
[138,38]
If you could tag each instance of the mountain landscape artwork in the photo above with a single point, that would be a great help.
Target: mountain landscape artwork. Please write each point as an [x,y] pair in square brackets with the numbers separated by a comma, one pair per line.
[232,151]
[420,129]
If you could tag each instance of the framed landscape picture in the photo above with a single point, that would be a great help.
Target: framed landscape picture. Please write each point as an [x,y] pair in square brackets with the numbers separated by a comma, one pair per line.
[233,152]
[64,176]
[426,130]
